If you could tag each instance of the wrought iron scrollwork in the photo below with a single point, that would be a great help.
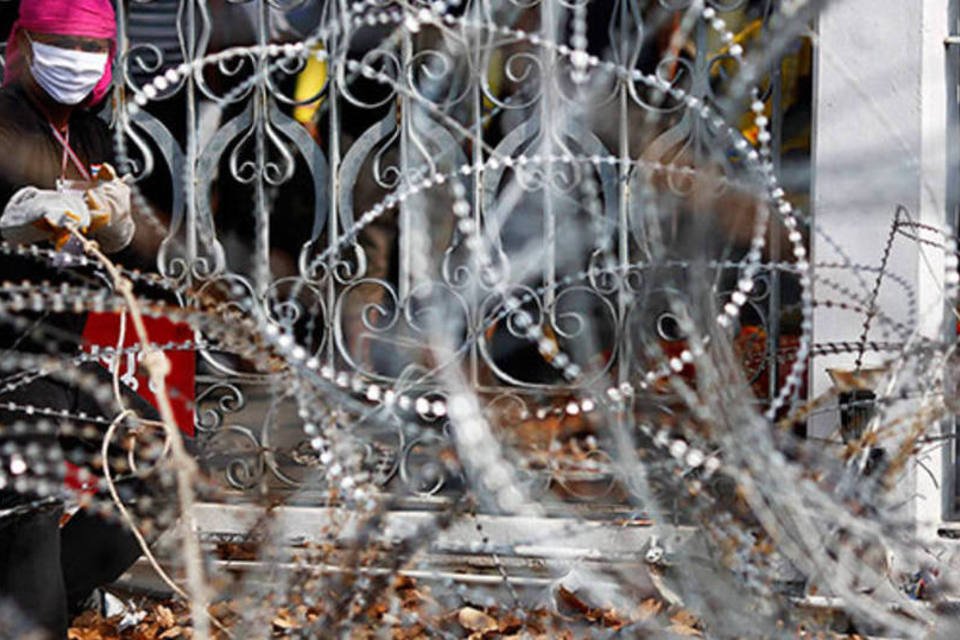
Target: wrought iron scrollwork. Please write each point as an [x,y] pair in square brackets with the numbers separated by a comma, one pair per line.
[467,128]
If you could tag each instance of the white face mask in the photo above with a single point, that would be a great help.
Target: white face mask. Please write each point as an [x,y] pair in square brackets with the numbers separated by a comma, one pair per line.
[68,76]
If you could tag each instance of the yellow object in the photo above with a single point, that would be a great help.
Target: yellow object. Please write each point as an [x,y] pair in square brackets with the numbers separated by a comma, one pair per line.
[309,83]
[59,235]
[495,79]
[795,65]
[98,219]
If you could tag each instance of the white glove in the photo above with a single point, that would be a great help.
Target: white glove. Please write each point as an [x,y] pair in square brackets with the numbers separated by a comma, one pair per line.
[35,215]
[111,223]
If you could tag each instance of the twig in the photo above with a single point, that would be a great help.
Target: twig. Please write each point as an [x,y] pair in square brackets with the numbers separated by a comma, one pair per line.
[158,367]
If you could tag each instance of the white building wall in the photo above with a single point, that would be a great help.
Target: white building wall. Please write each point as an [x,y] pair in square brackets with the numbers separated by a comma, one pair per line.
[883,94]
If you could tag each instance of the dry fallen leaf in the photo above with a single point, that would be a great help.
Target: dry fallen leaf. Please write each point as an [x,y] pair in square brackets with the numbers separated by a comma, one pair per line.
[285,620]
[683,623]
[165,617]
[237,550]
[570,599]
[509,624]
[147,631]
[608,617]
[172,632]
[647,609]
[415,632]
[476,620]
[92,626]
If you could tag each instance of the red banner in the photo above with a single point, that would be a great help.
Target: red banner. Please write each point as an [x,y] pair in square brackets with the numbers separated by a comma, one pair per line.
[103,329]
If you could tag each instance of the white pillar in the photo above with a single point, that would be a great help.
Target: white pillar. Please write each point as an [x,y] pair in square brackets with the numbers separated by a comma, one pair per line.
[884,120]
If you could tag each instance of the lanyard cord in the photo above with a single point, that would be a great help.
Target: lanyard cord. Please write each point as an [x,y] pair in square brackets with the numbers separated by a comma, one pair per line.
[68,152]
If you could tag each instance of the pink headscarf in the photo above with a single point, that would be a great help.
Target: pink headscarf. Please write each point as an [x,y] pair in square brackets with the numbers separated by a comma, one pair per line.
[84,18]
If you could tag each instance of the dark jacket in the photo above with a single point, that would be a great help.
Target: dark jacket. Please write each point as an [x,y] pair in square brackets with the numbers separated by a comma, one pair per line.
[31,156]
[46,570]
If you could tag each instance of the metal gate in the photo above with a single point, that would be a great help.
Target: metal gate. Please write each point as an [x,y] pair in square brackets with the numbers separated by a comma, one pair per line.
[521,175]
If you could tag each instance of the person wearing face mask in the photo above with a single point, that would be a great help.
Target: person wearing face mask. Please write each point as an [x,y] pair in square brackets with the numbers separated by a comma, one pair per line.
[55,172]
[52,171]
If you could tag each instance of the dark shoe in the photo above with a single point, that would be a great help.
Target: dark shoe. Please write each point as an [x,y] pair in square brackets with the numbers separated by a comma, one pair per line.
[30,572]
[95,552]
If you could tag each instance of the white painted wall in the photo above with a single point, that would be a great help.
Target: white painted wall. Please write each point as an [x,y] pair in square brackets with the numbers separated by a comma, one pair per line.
[881,138]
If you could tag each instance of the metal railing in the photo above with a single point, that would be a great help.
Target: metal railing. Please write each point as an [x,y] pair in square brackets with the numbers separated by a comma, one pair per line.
[453,166]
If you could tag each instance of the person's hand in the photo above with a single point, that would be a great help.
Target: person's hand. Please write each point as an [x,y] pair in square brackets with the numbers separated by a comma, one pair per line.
[111,223]
[35,215]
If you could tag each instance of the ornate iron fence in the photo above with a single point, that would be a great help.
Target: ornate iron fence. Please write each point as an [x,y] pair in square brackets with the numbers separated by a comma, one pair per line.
[483,128]
[522,174]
